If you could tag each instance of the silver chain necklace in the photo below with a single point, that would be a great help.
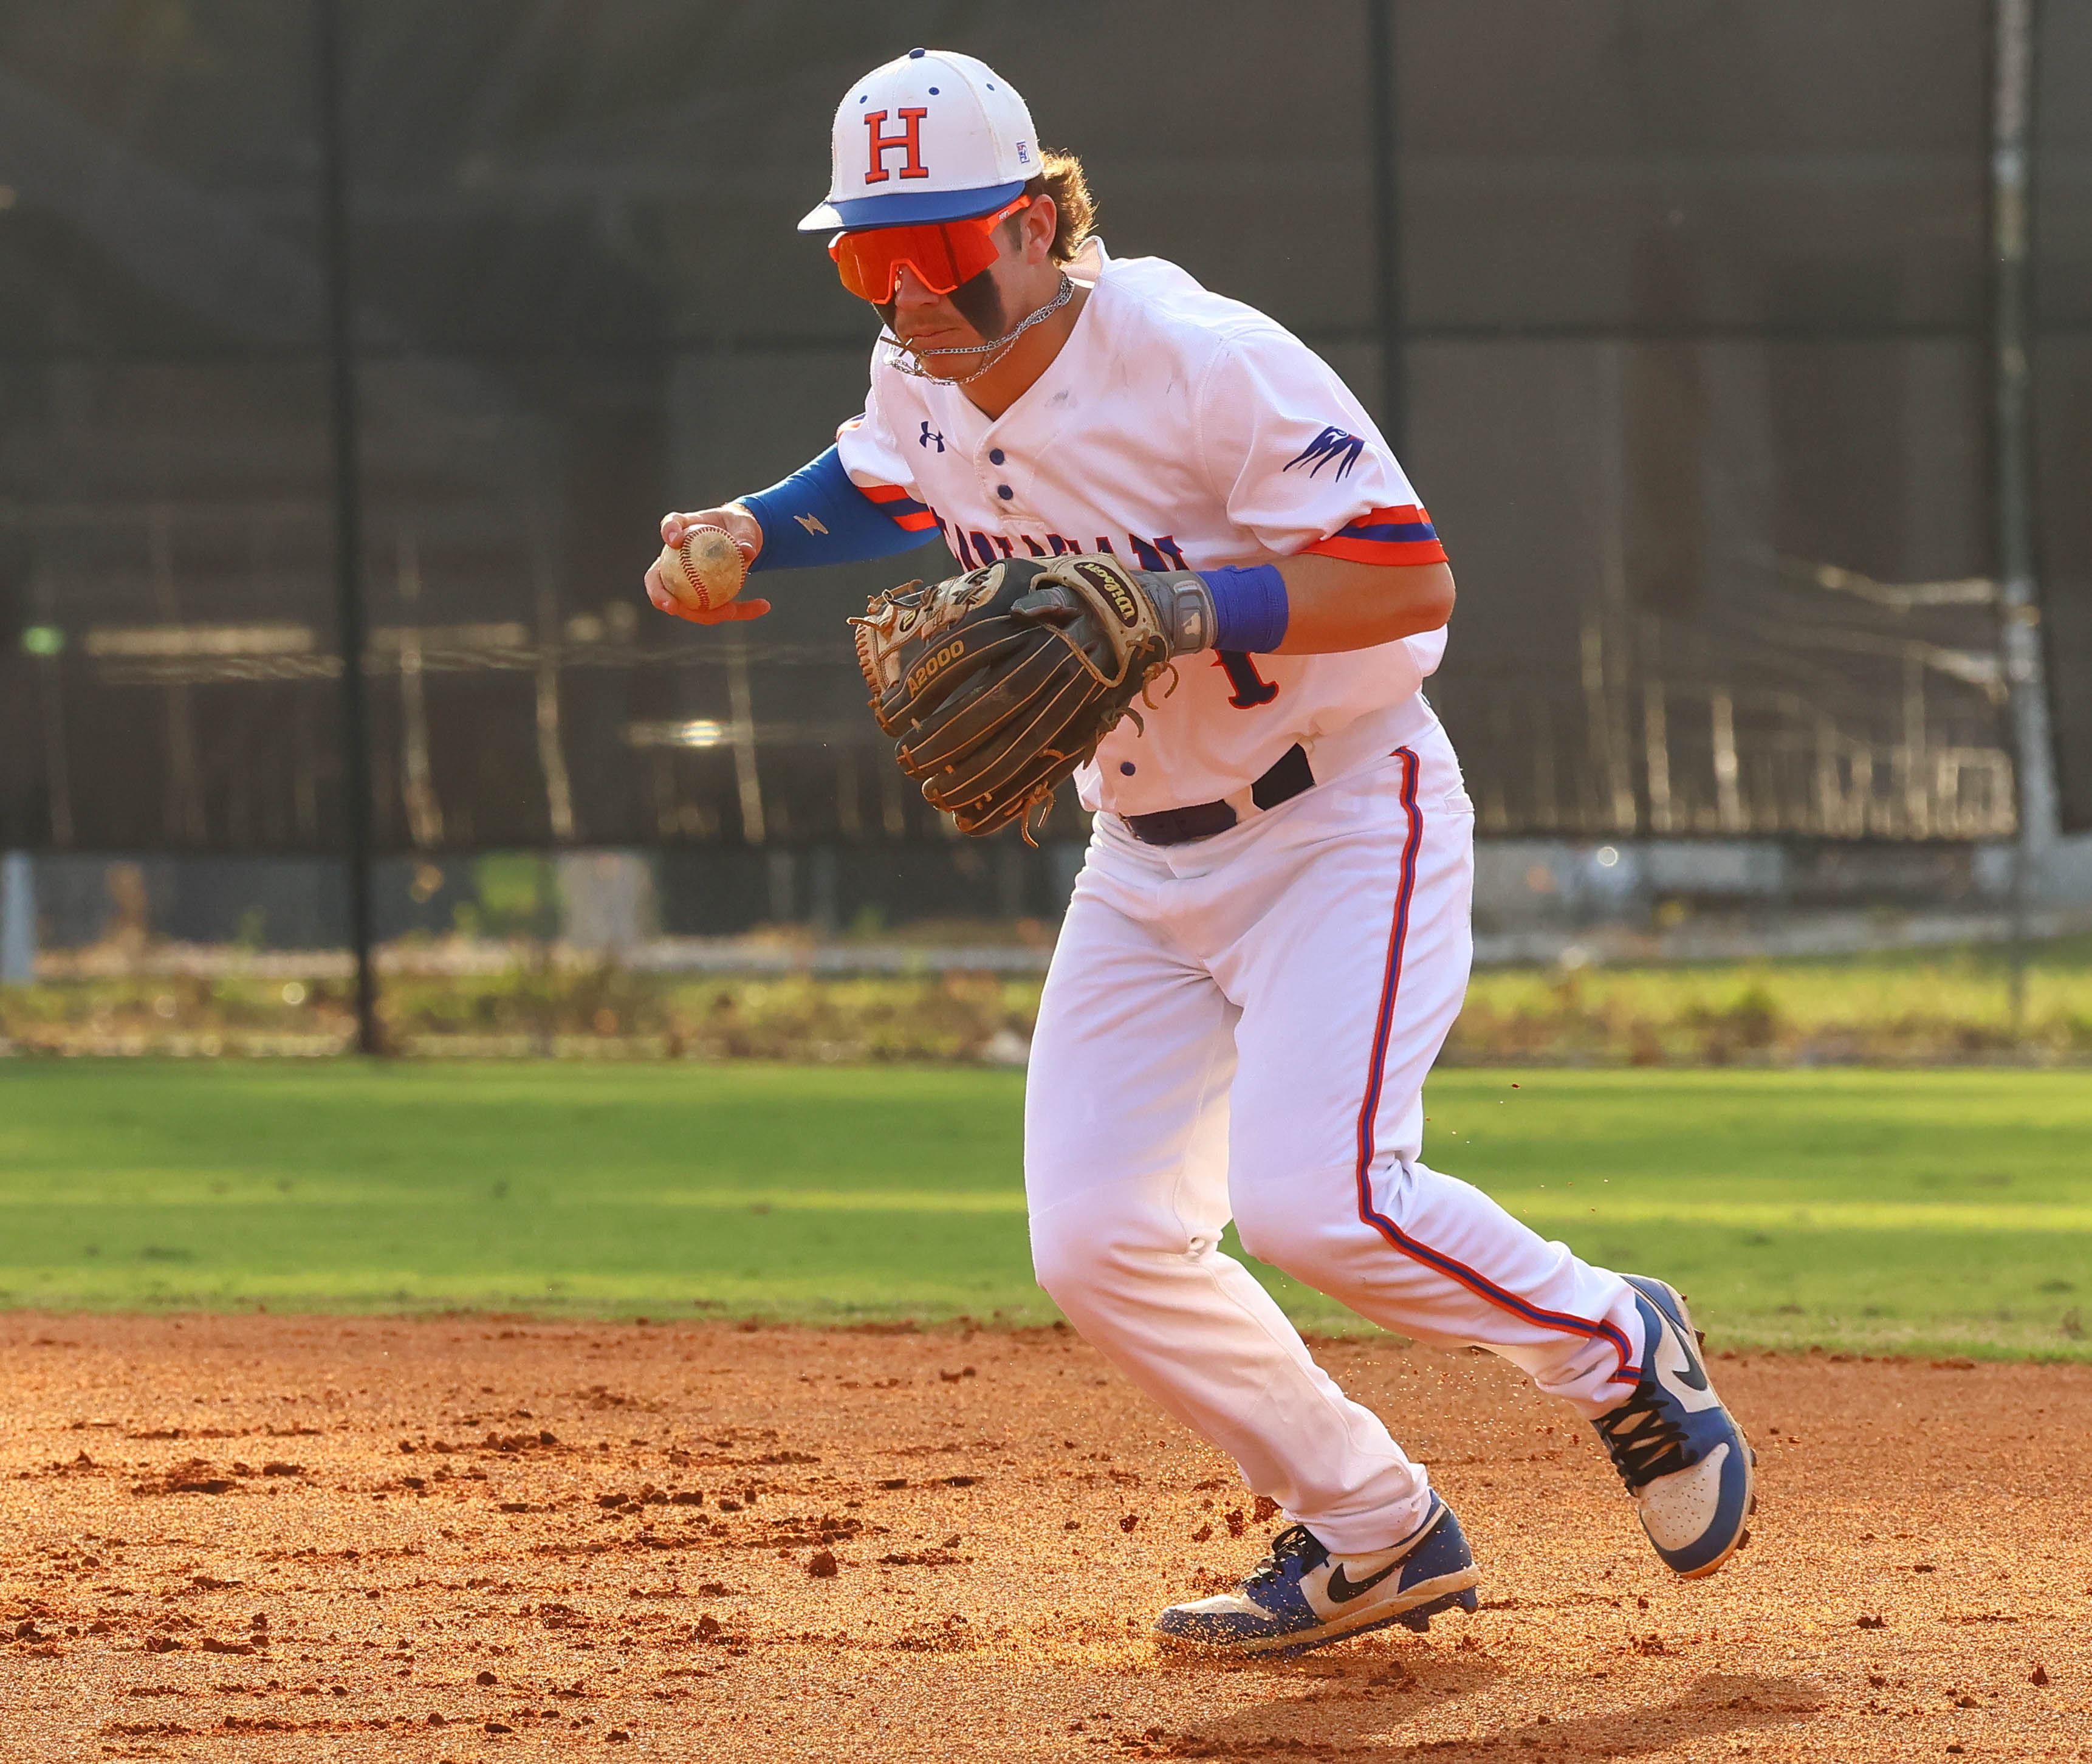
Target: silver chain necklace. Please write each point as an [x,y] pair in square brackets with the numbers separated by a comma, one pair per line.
[899,353]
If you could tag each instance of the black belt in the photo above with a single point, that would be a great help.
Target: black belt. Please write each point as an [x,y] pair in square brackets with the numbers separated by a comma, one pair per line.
[1289,775]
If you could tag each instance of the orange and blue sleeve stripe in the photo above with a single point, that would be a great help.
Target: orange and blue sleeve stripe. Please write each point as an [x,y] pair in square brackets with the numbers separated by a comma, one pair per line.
[1398,535]
[899,507]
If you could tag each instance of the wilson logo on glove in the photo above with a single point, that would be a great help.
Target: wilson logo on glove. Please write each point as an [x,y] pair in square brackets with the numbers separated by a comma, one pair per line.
[1109,583]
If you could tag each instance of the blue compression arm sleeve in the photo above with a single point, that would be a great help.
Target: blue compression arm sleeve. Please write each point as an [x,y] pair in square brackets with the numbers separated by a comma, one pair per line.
[818,515]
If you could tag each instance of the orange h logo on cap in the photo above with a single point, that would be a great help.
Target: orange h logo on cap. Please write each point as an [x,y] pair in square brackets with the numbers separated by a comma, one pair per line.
[909,140]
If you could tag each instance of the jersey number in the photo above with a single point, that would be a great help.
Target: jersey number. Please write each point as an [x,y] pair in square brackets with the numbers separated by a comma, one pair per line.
[1252,688]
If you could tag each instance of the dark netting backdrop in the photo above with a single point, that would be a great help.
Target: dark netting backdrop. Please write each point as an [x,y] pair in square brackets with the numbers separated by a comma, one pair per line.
[2063,388]
[1690,298]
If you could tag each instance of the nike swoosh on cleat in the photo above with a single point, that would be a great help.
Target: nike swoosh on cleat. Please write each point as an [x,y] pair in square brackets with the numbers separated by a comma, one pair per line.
[1680,1372]
[1686,1372]
[1342,1589]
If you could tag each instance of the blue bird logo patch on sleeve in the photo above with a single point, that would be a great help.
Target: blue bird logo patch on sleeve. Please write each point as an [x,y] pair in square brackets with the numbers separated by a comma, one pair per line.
[1331,445]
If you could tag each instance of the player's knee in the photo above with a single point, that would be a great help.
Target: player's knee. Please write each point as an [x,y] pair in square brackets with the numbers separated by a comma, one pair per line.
[1067,1257]
[1289,1237]
[1076,1248]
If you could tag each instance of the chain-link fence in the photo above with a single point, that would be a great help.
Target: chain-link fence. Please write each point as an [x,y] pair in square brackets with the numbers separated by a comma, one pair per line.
[1682,312]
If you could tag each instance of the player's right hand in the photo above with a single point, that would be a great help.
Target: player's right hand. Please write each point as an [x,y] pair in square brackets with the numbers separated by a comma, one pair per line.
[744,528]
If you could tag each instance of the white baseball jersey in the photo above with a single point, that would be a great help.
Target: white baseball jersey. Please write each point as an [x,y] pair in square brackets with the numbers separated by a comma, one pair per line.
[1176,429]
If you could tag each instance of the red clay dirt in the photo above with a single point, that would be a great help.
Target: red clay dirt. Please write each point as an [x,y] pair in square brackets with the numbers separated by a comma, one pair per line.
[290,1538]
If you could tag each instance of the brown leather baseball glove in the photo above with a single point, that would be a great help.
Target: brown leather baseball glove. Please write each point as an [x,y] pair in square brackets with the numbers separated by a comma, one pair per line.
[996,685]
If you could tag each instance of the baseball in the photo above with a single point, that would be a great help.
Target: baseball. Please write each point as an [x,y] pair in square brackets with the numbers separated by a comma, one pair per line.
[706,570]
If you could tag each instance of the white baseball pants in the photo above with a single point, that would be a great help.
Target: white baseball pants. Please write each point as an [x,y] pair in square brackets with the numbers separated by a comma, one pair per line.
[1242,1027]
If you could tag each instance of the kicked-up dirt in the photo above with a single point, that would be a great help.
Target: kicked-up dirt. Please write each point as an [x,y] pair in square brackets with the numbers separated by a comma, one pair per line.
[256,1537]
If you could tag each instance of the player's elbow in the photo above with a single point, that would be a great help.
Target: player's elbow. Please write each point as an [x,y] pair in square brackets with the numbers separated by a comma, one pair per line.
[1423,601]
[1435,599]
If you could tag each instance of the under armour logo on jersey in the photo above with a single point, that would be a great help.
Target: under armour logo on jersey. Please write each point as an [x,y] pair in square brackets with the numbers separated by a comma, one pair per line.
[811,523]
[1330,444]
[909,141]
[928,435]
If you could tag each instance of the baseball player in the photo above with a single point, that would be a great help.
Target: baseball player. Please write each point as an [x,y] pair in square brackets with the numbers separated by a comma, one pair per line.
[1270,936]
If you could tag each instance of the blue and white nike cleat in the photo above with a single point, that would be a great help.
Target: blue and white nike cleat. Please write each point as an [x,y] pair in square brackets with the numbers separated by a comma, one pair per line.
[1300,1596]
[1681,1454]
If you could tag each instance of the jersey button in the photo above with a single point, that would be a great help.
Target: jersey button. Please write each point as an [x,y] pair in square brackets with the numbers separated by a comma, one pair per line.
[995,455]
[1126,767]
[1005,491]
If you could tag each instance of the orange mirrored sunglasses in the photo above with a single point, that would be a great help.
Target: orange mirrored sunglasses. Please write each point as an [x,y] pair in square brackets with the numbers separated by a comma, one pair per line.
[942,254]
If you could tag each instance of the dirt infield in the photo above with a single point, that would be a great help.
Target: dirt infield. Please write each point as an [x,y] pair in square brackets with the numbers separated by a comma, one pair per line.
[289,1538]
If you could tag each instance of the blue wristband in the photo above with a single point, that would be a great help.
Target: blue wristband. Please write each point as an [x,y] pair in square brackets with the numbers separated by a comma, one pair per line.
[1250,609]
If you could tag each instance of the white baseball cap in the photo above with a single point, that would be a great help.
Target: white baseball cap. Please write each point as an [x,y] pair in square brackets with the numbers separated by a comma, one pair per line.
[932,135]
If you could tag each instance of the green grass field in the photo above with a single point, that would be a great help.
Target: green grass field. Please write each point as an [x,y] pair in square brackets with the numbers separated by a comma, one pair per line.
[1921,1212]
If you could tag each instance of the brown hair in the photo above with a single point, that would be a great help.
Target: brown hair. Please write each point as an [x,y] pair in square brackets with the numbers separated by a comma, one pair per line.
[1066,182]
